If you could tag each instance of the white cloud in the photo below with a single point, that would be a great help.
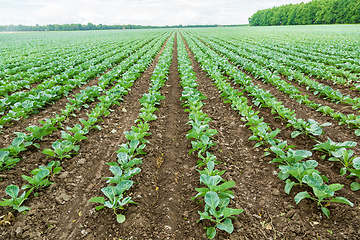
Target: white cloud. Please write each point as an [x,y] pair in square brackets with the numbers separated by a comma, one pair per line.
[144,12]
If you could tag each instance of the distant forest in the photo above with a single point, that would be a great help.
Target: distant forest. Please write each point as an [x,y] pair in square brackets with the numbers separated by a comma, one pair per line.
[314,12]
[90,26]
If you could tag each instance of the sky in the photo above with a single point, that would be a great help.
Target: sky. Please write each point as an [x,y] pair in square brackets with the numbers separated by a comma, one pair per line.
[137,12]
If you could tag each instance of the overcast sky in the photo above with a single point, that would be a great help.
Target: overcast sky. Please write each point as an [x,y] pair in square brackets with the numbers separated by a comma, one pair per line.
[142,12]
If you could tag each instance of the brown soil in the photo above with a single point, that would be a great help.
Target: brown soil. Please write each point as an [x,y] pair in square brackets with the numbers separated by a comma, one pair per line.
[168,178]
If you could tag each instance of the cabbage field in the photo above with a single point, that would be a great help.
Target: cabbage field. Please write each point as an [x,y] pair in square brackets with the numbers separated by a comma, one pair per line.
[191,133]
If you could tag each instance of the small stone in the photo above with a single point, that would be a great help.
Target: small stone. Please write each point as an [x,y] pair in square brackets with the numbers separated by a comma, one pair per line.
[81,161]
[233,237]
[62,197]
[26,234]
[290,214]
[124,110]
[268,227]
[132,208]
[296,216]
[52,222]
[63,175]
[66,197]
[237,224]
[186,214]
[276,192]
[18,231]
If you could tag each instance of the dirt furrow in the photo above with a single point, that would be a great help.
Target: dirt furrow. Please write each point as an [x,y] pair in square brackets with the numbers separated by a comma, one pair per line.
[174,178]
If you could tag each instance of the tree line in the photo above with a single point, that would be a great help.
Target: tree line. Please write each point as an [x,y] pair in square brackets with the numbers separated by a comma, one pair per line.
[314,12]
[90,26]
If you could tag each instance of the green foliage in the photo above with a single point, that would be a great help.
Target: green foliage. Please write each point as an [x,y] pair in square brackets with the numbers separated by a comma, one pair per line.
[37,133]
[330,146]
[310,127]
[216,210]
[61,149]
[345,157]
[15,201]
[216,194]
[42,175]
[313,12]
[7,161]
[289,157]
[127,159]
[322,192]
[297,171]
[116,201]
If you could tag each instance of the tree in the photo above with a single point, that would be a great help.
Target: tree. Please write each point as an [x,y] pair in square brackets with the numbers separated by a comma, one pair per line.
[314,12]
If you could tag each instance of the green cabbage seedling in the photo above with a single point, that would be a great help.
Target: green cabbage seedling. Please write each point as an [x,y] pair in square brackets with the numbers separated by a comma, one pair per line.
[7,161]
[15,201]
[355,171]
[116,198]
[216,210]
[321,191]
[62,149]
[330,146]
[344,156]
[41,176]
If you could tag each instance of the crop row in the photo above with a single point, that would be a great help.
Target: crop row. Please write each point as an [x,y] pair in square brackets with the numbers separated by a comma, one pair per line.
[292,166]
[315,69]
[351,120]
[319,58]
[54,64]
[342,56]
[121,76]
[128,153]
[292,74]
[56,67]
[216,194]
[65,147]
[262,98]
[60,85]
[44,49]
